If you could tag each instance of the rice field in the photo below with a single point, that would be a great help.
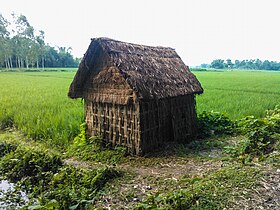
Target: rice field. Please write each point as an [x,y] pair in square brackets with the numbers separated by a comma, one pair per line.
[37,104]
[239,93]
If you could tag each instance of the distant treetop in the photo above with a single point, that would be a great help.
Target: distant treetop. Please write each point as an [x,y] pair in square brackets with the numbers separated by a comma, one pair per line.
[255,64]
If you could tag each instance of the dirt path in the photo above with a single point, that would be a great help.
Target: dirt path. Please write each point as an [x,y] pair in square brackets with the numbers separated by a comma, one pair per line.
[265,196]
[173,169]
[149,178]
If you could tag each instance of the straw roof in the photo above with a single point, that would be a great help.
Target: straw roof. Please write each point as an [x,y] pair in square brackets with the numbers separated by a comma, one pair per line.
[152,72]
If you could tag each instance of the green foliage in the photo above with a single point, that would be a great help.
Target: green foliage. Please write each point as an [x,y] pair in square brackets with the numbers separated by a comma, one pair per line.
[255,64]
[6,148]
[76,188]
[262,135]
[93,149]
[29,165]
[214,123]
[212,192]
[7,122]
[218,64]
[50,184]
[81,139]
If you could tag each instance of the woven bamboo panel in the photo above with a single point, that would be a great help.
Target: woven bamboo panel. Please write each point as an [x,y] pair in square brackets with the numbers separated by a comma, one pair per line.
[171,119]
[116,124]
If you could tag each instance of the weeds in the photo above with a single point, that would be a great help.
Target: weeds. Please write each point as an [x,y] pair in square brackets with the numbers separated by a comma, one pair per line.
[262,136]
[94,149]
[76,188]
[6,148]
[29,164]
[49,183]
[214,123]
[214,191]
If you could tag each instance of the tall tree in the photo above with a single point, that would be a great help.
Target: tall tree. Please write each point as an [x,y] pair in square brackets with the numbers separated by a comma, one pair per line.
[3,27]
[5,52]
[218,64]
[229,64]
[24,41]
[41,48]
[22,46]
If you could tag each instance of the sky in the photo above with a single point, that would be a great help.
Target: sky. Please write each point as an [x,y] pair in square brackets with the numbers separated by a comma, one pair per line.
[199,30]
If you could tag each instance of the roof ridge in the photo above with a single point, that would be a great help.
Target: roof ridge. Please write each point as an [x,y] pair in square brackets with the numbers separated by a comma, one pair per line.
[101,39]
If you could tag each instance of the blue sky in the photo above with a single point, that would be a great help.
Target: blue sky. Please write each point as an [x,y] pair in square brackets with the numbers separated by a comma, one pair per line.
[199,30]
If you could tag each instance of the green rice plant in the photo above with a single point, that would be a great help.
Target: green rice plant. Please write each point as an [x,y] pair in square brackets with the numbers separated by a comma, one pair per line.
[239,93]
[37,104]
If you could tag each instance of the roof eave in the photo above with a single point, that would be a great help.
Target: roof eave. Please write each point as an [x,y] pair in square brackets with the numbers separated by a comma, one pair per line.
[76,94]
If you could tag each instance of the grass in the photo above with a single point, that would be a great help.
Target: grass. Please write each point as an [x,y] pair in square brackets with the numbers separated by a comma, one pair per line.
[239,93]
[171,180]
[39,70]
[43,175]
[37,104]
[214,191]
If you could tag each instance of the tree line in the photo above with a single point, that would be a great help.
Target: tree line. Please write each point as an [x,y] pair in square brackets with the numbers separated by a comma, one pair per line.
[255,64]
[21,46]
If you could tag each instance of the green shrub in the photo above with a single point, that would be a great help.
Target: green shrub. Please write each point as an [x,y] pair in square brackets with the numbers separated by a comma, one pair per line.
[6,148]
[94,149]
[6,122]
[74,188]
[210,123]
[49,183]
[261,135]
[29,165]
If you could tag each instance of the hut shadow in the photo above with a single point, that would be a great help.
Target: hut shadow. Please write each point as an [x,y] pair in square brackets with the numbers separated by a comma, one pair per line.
[211,147]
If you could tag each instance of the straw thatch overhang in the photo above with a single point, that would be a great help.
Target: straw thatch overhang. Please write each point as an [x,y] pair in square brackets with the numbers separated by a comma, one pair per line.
[149,72]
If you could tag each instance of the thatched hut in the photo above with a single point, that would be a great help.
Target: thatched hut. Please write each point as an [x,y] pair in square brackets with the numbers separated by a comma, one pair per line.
[136,96]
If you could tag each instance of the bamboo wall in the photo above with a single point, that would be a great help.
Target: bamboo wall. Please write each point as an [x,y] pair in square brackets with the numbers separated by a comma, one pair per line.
[184,121]
[156,126]
[143,127]
[116,124]
[171,119]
